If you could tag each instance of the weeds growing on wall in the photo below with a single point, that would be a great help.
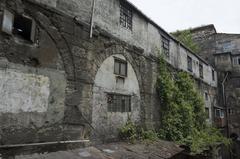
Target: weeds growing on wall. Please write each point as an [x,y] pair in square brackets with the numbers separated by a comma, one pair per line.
[183,116]
[186,38]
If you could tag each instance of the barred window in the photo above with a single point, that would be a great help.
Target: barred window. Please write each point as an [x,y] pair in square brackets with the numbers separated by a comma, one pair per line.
[120,67]
[119,103]
[165,46]
[125,15]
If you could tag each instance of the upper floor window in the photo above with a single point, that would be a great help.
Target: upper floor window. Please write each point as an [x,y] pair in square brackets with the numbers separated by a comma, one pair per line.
[125,15]
[219,113]
[118,103]
[206,96]
[189,63]
[213,75]
[120,67]
[227,46]
[236,60]
[201,71]
[165,46]
[19,25]
[207,112]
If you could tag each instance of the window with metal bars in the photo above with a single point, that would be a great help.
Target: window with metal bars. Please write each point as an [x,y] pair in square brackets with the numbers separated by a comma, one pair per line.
[165,46]
[125,15]
[118,103]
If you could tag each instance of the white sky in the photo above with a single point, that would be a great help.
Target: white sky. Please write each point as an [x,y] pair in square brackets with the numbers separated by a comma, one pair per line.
[182,14]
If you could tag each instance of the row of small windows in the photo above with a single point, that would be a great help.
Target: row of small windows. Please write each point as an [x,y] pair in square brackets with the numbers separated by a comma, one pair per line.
[126,21]
[190,68]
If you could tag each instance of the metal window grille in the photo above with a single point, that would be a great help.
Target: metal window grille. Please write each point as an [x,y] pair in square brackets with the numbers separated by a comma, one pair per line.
[125,16]
[119,103]
[165,46]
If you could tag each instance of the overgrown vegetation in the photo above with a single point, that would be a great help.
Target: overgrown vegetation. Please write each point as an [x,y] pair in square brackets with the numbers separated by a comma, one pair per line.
[183,116]
[132,132]
[186,38]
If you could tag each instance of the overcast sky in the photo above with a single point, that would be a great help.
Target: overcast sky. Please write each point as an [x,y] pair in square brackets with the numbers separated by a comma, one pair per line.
[181,14]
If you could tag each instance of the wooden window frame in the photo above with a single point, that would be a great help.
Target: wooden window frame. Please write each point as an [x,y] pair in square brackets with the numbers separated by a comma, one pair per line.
[120,62]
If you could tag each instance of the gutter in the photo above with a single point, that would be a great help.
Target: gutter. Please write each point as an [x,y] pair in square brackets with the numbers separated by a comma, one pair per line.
[92,19]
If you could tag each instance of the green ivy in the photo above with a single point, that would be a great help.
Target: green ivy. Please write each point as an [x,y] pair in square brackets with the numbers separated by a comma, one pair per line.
[183,116]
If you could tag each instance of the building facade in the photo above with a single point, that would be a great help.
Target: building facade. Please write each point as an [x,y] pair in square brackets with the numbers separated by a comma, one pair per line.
[79,69]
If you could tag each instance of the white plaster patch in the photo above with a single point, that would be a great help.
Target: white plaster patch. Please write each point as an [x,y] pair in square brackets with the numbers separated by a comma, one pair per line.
[84,154]
[21,92]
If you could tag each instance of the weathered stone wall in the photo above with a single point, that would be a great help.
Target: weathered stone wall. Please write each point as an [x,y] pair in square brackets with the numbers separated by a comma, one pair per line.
[66,64]
[223,50]
[107,123]
[63,47]
[81,9]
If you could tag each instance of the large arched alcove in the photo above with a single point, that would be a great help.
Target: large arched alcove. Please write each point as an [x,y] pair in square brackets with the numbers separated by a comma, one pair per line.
[116,97]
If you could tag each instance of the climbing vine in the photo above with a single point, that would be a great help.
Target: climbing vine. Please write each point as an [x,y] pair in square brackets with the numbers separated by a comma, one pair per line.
[183,116]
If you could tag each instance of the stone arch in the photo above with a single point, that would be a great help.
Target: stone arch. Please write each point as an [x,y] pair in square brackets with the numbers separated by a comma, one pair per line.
[134,59]
[105,121]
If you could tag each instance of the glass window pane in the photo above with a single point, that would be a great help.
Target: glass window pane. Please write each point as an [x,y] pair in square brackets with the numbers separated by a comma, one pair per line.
[116,67]
[123,69]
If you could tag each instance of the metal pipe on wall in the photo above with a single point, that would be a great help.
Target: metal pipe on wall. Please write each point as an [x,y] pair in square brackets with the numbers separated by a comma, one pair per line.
[92,19]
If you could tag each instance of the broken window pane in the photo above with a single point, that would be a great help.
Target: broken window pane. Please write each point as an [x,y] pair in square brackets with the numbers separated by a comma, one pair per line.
[22,27]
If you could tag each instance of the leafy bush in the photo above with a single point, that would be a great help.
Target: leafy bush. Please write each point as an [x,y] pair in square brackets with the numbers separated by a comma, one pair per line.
[183,116]
[131,132]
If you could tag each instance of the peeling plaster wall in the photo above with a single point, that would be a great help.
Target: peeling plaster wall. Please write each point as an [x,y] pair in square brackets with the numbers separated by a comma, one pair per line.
[106,124]
[20,92]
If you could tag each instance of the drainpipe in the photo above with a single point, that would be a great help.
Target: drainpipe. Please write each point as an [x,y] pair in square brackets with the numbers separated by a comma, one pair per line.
[224,101]
[92,19]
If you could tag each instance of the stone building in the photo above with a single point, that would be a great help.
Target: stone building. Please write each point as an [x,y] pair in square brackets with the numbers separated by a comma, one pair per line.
[222,51]
[79,69]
